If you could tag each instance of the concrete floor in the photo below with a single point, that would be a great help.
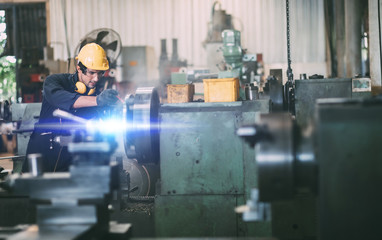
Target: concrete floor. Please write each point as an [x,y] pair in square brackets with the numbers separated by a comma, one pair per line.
[7,148]
[6,163]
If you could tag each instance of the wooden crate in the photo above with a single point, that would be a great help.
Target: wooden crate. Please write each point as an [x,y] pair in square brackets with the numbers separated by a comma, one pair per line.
[180,93]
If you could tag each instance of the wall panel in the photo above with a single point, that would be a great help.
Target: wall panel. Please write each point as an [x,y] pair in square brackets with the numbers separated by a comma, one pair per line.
[145,22]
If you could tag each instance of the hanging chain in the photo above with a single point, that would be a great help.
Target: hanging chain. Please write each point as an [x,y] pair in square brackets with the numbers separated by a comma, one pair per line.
[289,71]
[289,102]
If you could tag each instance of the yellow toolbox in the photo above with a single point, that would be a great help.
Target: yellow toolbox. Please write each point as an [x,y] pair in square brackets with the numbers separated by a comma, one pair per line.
[221,89]
[180,93]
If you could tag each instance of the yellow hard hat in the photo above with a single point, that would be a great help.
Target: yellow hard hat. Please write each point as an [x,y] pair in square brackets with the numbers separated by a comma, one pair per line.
[93,56]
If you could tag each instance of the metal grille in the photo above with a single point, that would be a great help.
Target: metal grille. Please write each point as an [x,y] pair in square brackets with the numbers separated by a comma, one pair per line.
[26,28]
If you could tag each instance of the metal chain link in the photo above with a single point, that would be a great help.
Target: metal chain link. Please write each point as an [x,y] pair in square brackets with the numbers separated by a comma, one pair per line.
[289,71]
[289,85]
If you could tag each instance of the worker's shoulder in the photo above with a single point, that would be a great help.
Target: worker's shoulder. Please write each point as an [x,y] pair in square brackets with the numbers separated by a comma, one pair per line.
[62,79]
[58,76]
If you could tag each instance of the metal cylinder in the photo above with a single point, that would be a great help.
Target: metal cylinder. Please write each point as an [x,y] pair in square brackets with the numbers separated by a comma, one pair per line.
[142,137]
[174,57]
[35,164]
[251,91]
[275,159]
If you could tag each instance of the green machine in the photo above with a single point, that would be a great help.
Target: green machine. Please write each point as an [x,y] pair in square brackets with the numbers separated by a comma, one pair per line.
[238,64]
[206,170]
[232,52]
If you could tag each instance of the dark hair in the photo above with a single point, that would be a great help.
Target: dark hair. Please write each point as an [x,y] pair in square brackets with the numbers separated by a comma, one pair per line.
[82,67]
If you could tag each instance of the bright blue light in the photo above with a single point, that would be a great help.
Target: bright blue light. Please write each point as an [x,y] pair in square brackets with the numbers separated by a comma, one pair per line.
[108,126]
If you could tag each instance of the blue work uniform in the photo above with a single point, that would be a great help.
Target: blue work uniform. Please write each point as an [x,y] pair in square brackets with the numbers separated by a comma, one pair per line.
[59,92]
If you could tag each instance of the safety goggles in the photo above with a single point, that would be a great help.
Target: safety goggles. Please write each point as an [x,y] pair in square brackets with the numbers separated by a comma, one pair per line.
[92,74]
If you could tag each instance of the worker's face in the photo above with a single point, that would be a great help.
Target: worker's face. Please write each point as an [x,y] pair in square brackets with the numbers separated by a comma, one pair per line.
[90,77]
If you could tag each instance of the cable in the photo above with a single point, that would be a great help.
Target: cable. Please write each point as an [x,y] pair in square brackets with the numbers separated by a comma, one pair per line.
[58,158]
[63,5]
[148,181]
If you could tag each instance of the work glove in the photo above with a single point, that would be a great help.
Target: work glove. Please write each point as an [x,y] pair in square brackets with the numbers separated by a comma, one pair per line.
[107,97]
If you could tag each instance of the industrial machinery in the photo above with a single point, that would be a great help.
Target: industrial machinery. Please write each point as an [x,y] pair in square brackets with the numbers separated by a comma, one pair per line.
[168,66]
[338,163]
[237,63]
[31,75]
[293,216]
[287,155]
[205,170]
[307,91]
[219,22]
[162,137]
[74,204]
[183,139]
[232,60]
[25,115]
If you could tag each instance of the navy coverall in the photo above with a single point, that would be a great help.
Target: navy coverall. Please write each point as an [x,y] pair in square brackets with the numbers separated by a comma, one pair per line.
[58,93]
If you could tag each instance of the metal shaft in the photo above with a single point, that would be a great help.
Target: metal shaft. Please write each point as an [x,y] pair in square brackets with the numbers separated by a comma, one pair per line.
[11,157]
[62,114]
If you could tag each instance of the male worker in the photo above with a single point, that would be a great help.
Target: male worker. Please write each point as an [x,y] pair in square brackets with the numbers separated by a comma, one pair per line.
[75,93]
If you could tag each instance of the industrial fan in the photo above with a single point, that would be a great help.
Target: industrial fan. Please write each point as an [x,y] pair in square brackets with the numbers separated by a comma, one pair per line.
[107,38]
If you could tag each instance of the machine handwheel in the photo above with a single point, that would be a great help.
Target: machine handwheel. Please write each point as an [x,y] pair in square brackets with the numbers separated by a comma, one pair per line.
[142,136]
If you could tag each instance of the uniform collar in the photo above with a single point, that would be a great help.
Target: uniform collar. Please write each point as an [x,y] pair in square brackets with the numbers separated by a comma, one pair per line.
[75,77]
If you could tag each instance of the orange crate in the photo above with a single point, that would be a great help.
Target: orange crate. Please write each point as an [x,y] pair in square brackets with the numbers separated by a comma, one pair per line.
[221,89]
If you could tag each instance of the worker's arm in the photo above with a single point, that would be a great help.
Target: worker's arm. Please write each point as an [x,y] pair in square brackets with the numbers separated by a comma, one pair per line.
[85,101]
[57,94]
[107,97]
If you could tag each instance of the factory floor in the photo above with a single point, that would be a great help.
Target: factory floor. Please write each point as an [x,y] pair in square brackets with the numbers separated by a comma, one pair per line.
[139,213]
[7,164]
[7,148]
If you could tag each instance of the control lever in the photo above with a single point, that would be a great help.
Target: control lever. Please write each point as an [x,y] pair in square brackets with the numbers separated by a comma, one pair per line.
[255,210]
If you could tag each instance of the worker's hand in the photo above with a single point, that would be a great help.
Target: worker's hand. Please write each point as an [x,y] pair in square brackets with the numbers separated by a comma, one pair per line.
[107,97]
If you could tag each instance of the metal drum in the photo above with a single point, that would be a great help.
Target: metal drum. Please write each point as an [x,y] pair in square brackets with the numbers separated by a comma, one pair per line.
[142,138]
[275,158]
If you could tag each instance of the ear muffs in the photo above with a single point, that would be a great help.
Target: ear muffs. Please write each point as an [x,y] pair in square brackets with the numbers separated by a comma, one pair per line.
[82,89]
[91,91]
